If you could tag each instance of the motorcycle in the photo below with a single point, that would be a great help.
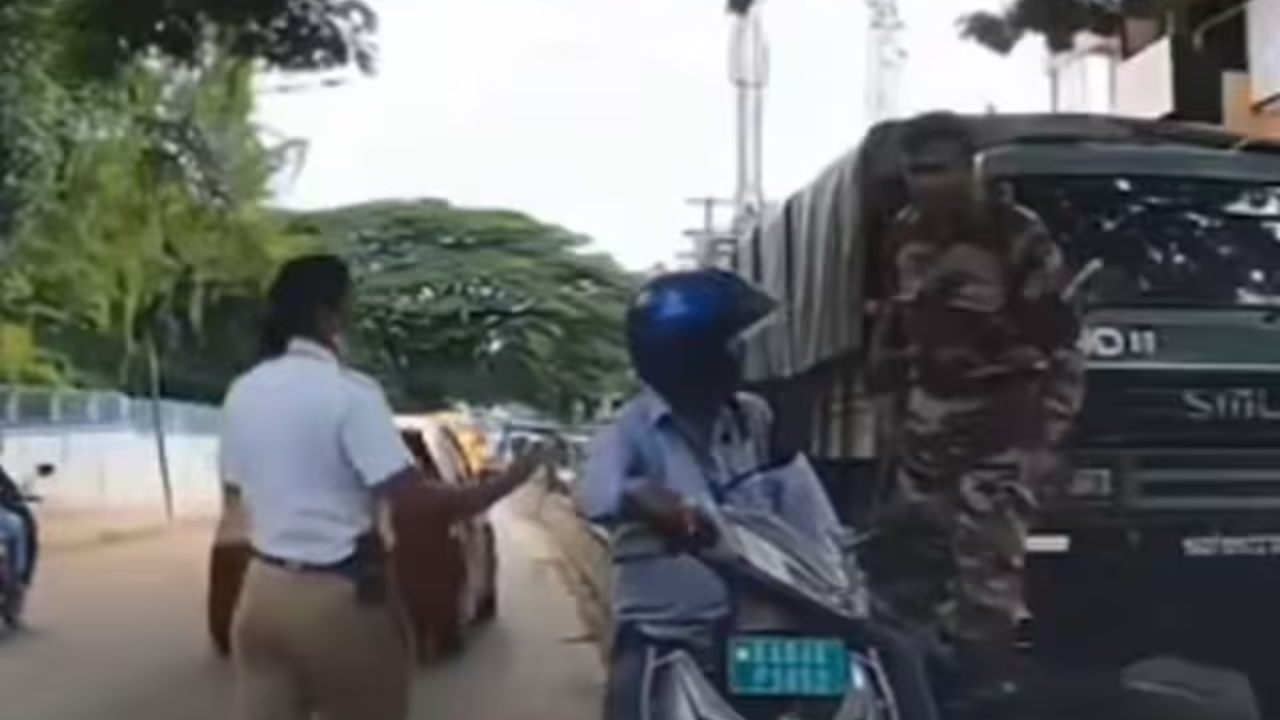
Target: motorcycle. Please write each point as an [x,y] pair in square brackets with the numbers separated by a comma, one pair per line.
[802,646]
[799,645]
[11,594]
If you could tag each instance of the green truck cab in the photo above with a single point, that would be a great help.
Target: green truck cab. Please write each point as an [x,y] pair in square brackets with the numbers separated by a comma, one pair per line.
[1164,535]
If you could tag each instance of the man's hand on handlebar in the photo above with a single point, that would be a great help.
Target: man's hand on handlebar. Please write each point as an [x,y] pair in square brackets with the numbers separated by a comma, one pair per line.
[675,519]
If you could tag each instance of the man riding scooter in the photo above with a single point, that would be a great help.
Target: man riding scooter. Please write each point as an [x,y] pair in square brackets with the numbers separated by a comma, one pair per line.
[675,454]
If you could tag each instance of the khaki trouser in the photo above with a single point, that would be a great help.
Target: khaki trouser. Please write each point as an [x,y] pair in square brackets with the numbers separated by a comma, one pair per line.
[304,649]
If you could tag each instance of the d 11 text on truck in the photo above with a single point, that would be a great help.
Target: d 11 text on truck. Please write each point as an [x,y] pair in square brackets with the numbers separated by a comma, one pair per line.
[1166,535]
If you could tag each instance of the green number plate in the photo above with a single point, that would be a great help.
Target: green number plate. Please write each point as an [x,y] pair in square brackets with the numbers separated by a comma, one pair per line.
[767,665]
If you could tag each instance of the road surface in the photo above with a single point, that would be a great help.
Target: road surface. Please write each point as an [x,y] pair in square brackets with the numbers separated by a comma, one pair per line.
[118,633]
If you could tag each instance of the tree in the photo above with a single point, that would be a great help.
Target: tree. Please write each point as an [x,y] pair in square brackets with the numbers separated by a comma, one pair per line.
[480,305]
[1057,21]
[32,107]
[291,35]
[148,215]
[132,178]
[53,51]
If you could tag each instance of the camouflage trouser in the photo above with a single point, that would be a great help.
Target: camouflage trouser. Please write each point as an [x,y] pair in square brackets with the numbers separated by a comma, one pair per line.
[968,469]
[975,531]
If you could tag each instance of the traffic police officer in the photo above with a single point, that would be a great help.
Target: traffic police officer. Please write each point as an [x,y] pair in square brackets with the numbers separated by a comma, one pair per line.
[310,449]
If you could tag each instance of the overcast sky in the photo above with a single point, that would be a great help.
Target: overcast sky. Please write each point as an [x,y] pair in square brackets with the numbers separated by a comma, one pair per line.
[604,115]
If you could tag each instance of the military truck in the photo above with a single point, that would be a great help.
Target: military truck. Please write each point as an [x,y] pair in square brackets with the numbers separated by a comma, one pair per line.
[1166,533]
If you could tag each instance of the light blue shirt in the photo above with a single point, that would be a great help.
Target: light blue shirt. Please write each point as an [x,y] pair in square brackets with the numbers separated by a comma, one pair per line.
[670,595]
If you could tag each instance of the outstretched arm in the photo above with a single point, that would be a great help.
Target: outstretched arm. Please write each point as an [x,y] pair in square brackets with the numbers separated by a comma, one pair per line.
[373,446]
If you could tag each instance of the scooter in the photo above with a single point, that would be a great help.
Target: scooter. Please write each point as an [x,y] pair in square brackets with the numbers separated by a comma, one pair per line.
[801,646]
[13,589]
[798,645]
[11,593]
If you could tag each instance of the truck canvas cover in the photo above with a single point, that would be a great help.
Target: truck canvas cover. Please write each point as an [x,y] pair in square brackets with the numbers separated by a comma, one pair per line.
[812,251]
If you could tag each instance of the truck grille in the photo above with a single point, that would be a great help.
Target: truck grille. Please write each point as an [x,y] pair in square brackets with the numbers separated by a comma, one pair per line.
[1201,480]
[1180,409]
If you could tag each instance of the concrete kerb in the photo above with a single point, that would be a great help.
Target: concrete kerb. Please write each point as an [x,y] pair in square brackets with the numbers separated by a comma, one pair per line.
[583,554]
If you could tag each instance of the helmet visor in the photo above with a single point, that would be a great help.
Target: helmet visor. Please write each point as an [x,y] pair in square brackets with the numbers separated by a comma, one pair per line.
[757,311]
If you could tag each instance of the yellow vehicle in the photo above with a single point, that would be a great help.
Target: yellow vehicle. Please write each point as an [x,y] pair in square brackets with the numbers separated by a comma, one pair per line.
[470,437]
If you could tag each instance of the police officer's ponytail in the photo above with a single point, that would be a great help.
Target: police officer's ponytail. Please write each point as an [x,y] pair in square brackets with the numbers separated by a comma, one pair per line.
[303,288]
[275,335]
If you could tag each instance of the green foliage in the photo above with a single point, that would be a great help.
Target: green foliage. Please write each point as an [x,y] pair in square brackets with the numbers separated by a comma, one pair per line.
[1057,21]
[134,207]
[32,107]
[480,305]
[132,191]
[22,361]
[294,35]
[55,55]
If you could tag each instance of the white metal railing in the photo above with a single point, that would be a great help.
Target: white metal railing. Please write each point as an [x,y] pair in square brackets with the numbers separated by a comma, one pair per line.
[30,407]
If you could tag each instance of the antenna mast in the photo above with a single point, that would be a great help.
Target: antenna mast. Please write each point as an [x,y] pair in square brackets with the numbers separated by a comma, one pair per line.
[886,57]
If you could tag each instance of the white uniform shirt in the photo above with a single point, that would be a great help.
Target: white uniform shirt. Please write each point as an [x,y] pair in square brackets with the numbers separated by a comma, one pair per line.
[305,440]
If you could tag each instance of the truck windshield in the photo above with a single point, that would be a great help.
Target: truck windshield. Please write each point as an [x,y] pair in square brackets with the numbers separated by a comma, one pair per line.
[1164,241]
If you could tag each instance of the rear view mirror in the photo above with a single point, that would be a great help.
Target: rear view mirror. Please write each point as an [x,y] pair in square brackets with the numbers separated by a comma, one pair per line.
[44,470]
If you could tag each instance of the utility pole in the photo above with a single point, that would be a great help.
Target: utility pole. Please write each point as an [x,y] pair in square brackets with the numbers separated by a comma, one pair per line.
[714,241]
[886,57]
[749,73]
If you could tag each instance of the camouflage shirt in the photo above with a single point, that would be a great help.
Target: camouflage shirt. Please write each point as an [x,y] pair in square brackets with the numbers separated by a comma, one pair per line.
[976,333]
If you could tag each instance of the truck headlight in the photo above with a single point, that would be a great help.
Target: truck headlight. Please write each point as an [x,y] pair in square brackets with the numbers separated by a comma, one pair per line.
[1090,483]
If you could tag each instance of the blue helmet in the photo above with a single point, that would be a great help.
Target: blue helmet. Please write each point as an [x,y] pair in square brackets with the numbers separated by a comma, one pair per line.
[683,328]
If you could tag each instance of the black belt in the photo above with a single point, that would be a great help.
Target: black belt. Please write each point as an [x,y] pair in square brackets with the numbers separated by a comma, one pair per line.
[366,567]
[343,567]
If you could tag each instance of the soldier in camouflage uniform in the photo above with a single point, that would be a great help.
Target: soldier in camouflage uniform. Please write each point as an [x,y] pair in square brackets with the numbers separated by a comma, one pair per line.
[976,363]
